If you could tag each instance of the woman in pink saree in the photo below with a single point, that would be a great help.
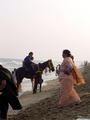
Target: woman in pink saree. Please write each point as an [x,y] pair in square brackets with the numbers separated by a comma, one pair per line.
[69,75]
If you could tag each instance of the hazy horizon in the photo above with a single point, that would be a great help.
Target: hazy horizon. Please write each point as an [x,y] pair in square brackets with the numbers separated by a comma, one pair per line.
[46,27]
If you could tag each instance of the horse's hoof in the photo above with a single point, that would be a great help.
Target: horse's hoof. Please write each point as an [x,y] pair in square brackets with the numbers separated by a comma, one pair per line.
[34,92]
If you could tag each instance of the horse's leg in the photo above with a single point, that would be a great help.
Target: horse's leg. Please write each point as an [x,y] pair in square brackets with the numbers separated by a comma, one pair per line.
[40,86]
[33,80]
[35,87]
[19,87]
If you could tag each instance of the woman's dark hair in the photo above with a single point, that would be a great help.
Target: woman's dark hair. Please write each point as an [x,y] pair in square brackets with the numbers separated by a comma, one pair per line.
[67,52]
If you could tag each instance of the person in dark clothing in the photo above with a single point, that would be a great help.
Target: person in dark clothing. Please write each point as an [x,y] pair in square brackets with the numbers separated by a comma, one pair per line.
[58,69]
[28,59]
[8,93]
[27,63]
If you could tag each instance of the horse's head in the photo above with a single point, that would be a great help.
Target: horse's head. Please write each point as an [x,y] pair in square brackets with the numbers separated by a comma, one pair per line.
[50,65]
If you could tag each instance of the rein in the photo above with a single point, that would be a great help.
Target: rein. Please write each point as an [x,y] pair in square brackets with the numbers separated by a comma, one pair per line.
[38,71]
[49,64]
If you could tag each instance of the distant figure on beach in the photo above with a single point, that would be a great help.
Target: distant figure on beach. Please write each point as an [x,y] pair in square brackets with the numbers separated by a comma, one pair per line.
[8,93]
[69,75]
[14,76]
[58,69]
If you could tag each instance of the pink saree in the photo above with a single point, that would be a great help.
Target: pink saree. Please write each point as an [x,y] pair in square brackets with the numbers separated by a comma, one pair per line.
[69,75]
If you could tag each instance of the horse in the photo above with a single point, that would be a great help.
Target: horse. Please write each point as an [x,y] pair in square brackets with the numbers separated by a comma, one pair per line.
[42,67]
[21,73]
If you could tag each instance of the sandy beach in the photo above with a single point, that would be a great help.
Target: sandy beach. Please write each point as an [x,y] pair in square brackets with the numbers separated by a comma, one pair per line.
[28,98]
[43,106]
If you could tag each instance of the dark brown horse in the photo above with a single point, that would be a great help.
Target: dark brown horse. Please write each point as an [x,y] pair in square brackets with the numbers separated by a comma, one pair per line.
[37,73]
[20,73]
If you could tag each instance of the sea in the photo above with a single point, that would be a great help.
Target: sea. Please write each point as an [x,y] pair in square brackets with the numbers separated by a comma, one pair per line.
[11,64]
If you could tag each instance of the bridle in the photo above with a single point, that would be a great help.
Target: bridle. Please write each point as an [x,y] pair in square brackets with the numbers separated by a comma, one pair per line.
[50,65]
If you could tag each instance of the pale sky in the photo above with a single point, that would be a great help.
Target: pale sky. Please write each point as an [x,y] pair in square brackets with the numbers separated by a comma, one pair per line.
[45,27]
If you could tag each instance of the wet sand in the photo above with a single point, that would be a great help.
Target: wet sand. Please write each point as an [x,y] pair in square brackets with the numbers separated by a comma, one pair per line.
[43,106]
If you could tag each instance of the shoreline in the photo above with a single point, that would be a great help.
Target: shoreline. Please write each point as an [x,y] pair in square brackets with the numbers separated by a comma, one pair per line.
[27,85]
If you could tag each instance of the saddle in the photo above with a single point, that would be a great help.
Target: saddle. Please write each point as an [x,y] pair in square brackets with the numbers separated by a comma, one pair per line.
[29,67]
